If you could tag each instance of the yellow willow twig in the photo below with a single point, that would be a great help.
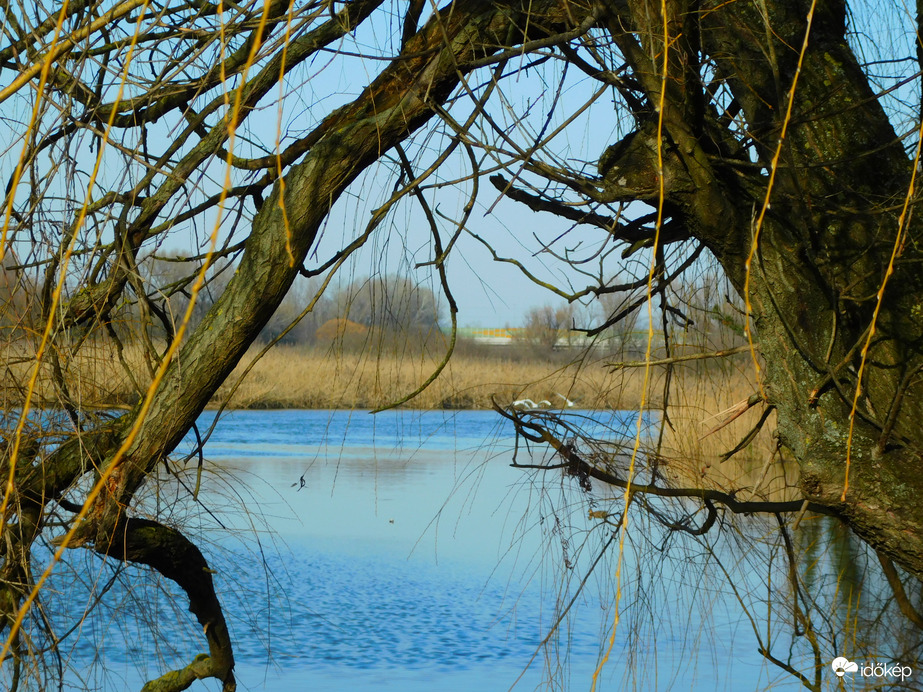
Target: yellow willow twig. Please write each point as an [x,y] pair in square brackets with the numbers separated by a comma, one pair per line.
[58,50]
[59,287]
[65,260]
[44,67]
[772,177]
[56,297]
[661,199]
[879,297]
[110,468]
[113,465]
[232,118]
[285,223]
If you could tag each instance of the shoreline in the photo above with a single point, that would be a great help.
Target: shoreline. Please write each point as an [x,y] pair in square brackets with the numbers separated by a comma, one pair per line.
[297,377]
[325,379]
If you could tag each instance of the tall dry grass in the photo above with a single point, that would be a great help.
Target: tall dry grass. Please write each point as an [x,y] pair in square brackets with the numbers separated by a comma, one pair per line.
[293,377]
[95,375]
[703,399]
[99,375]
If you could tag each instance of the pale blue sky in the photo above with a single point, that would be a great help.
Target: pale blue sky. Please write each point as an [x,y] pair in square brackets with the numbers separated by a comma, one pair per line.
[488,293]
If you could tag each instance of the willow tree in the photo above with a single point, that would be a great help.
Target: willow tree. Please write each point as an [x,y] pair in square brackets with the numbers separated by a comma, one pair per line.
[748,130]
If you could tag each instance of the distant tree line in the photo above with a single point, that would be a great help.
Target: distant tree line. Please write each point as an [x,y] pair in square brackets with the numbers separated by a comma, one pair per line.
[705,304]
[389,303]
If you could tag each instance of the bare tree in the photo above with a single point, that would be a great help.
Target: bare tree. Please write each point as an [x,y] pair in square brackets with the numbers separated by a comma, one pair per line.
[750,132]
[170,278]
[394,303]
[546,326]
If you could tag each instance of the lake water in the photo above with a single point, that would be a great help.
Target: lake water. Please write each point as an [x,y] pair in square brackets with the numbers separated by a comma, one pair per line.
[401,552]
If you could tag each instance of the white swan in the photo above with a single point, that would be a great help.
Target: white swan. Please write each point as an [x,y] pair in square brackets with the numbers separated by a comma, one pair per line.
[523,404]
[567,402]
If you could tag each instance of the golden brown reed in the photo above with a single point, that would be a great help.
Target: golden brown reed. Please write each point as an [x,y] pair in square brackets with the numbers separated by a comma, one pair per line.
[97,375]
[293,377]
[702,400]
[298,377]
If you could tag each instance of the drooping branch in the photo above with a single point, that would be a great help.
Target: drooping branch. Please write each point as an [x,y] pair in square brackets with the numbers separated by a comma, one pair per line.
[170,553]
[575,464]
[897,588]
[398,102]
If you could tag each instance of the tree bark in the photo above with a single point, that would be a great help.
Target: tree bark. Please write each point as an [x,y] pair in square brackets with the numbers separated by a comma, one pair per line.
[174,556]
[823,251]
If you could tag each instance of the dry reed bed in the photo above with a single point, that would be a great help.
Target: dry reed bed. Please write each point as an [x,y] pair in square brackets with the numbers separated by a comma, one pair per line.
[294,377]
[692,448]
[94,376]
[299,378]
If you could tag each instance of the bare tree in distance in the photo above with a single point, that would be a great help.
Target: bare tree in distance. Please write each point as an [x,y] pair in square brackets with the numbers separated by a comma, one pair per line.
[170,277]
[389,302]
[544,327]
[751,133]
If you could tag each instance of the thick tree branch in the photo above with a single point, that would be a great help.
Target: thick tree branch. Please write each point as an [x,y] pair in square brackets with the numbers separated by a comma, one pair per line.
[897,588]
[174,556]
[399,101]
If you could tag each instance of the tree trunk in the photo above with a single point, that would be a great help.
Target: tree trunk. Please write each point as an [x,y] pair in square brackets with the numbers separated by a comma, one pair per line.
[822,253]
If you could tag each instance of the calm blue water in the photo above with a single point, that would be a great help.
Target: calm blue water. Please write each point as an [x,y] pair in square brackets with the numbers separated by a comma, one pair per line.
[287,433]
[401,552]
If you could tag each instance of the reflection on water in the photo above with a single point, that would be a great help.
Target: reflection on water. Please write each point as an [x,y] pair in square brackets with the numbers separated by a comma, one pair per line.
[401,552]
